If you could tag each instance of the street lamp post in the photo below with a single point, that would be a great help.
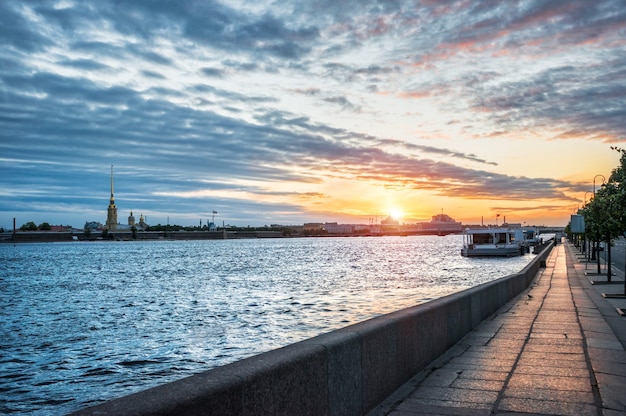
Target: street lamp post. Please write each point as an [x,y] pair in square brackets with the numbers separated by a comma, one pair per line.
[585,242]
[594,182]
[625,266]
[597,243]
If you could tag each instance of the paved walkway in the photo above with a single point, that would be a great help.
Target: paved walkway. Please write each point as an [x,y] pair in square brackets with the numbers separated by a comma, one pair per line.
[557,349]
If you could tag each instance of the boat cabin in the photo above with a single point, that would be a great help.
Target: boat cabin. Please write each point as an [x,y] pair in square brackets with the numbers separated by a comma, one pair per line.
[491,242]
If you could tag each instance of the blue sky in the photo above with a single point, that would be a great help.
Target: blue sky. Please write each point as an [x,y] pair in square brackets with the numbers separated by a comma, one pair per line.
[299,111]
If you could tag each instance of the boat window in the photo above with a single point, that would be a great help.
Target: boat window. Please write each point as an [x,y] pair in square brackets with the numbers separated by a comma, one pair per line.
[483,239]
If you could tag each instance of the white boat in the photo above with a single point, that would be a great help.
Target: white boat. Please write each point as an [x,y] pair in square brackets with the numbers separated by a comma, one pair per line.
[528,236]
[491,242]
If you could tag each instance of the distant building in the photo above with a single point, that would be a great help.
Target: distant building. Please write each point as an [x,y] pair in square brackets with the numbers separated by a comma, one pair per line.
[442,223]
[362,227]
[142,223]
[93,225]
[313,226]
[334,228]
[389,221]
[131,220]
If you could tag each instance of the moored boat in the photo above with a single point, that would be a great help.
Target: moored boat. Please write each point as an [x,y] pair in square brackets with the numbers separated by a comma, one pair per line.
[528,237]
[491,242]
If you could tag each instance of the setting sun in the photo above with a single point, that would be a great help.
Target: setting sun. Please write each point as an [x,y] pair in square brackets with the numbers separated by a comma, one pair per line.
[396,213]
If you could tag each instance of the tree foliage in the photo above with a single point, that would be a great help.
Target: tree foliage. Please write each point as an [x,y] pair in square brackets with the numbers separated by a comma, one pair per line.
[29,226]
[605,214]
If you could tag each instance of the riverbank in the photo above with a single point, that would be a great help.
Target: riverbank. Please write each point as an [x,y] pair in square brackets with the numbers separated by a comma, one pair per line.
[223,234]
[127,235]
[558,348]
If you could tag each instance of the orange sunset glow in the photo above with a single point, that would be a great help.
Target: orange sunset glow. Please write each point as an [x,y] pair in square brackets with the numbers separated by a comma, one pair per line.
[287,113]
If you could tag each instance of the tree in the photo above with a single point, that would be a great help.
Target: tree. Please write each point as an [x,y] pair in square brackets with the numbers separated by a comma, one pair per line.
[592,212]
[611,227]
[605,214]
[106,235]
[44,226]
[618,180]
[29,226]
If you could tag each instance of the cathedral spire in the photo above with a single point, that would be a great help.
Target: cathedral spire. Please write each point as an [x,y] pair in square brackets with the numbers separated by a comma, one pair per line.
[111,223]
[112,199]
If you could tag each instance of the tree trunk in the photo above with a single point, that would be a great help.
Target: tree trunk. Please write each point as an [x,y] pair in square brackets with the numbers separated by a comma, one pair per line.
[593,250]
[607,257]
[598,255]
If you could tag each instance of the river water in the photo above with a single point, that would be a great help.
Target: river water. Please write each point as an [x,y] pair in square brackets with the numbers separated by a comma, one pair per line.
[82,322]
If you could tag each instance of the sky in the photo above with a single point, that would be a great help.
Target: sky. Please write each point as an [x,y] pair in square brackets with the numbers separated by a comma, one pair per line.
[295,111]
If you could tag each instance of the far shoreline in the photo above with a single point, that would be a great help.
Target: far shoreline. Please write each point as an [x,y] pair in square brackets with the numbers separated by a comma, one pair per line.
[68,236]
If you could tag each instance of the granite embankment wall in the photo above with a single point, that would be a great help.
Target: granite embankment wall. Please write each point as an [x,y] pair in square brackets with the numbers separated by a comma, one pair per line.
[344,372]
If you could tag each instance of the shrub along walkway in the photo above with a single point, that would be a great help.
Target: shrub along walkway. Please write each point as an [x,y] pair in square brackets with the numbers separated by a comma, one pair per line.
[557,349]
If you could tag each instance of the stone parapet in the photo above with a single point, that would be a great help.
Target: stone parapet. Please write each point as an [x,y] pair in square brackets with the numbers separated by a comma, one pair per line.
[344,372]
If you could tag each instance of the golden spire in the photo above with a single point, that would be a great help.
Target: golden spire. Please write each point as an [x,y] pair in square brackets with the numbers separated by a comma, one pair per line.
[111,223]
[112,199]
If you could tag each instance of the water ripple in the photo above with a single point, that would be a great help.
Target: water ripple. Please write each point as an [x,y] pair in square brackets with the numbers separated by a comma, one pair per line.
[85,322]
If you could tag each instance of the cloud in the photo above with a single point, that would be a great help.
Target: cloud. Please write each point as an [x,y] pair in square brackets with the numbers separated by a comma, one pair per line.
[341,101]
[152,74]
[17,32]
[549,99]
[84,64]
[212,72]
[440,151]
[241,66]
[182,140]
[184,97]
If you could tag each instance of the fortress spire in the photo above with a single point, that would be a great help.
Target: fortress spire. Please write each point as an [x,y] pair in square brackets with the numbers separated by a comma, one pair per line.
[112,199]
[111,223]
